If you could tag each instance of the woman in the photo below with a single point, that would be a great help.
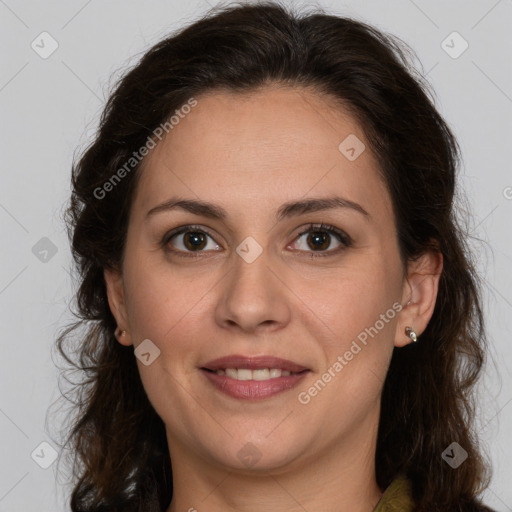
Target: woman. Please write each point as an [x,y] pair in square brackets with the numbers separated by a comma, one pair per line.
[281,310]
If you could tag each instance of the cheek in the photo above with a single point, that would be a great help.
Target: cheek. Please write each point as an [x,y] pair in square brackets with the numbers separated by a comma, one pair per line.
[356,360]
[163,300]
[358,312]
[345,302]
[166,308]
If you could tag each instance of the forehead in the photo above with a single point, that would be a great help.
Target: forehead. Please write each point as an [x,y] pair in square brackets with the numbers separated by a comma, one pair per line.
[263,147]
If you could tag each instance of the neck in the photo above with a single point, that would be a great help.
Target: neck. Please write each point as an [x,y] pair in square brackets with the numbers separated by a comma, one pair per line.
[342,478]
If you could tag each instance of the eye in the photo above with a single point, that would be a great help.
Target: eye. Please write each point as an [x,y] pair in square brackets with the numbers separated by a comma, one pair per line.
[190,239]
[320,238]
[195,239]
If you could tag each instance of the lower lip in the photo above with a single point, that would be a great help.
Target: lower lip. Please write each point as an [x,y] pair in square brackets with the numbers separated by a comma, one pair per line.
[253,389]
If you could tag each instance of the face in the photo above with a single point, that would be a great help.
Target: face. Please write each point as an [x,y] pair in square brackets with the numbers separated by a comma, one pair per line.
[255,277]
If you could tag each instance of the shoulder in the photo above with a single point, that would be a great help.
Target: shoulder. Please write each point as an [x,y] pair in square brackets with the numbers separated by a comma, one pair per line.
[397,497]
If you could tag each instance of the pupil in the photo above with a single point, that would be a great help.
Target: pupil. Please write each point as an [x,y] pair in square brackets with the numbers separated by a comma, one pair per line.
[194,240]
[322,238]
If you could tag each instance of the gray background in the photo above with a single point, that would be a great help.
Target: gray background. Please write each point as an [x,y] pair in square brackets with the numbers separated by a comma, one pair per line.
[50,107]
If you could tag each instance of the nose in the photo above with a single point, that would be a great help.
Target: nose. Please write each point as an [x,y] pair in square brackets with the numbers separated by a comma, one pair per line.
[254,296]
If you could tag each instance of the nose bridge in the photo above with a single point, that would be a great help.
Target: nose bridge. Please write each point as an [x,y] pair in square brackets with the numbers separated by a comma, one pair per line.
[252,293]
[252,267]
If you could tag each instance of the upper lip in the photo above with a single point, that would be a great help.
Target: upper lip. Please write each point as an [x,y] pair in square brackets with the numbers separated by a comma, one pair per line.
[253,363]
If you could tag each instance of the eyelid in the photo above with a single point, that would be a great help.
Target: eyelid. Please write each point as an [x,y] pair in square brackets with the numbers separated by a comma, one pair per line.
[341,235]
[320,226]
[184,229]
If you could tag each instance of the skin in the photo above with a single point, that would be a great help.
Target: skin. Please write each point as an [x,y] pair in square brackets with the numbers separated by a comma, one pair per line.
[249,154]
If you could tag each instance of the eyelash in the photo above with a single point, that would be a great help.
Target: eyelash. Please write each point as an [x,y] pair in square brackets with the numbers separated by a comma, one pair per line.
[340,235]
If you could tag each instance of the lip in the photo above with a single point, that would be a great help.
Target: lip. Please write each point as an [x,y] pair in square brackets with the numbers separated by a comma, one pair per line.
[253,389]
[253,363]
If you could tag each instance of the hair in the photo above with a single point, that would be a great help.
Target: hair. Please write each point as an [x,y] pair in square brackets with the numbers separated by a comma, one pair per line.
[120,454]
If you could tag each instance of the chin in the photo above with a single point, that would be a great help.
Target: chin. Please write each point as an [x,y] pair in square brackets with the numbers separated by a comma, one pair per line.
[254,454]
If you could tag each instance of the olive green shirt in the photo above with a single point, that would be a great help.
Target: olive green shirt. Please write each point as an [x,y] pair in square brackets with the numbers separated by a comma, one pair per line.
[397,497]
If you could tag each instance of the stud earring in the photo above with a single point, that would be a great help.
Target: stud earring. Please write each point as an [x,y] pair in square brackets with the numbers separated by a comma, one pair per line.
[120,333]
[409,332]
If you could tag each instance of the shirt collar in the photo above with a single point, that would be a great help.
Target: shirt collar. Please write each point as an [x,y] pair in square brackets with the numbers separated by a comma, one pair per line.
[397,497]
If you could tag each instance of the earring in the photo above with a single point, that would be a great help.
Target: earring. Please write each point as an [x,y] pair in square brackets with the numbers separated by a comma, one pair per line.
[120,334]
[409,332]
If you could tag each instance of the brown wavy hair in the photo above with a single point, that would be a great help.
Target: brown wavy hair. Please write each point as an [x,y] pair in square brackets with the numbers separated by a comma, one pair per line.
[119,454]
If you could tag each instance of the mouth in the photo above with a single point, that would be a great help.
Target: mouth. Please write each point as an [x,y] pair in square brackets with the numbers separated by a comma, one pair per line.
[253,378]
[248,374]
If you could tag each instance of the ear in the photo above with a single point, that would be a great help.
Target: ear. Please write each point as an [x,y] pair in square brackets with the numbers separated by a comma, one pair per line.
[116,301]
[419,295]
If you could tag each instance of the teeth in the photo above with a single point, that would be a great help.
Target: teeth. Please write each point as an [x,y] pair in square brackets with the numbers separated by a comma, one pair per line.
[244,374]
[259,374]
[262,374]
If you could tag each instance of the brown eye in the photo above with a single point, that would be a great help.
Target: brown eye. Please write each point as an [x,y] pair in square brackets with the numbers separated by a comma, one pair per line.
[194,240]
[188,239]
[320,238]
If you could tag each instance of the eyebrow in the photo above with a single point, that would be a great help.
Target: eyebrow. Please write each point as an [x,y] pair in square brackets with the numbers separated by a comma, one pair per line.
[287,210]
[294,208]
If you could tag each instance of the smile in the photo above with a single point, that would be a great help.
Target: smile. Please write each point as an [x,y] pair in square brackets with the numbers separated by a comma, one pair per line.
[248,374]
[253,385]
